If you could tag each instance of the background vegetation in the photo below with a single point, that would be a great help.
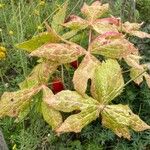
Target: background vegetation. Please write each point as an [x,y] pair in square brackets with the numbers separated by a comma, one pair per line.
[20,20]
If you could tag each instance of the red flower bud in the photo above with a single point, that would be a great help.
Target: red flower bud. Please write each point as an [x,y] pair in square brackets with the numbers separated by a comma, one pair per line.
[57,86]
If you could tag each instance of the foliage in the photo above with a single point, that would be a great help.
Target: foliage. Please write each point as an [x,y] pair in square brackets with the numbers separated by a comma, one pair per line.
[102,136]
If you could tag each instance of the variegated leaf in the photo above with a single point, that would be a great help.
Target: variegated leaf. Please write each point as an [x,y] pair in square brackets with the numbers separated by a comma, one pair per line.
[12,103]
[133,29]
[39,40]
[59,53]
[106,25]
[85,72]
[112,45]
[50,115]
[76,122]
[107,82]
[95,10]
[68,101]
[76,23]
[59,18]
[119,118]
[133,61]
[39,75]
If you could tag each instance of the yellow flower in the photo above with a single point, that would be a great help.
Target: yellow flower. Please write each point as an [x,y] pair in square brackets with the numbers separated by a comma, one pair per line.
[39,27]
[42,3]
[10,32]
[36,12]
[2,5]
[2,52]
[14,147]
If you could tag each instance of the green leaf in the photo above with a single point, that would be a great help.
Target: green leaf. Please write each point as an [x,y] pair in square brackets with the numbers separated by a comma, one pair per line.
[85,72]
[112,45]
[59,53]
[50,115]
[39,75]
[94,11]
[107,82]
[12,103]
[119,118]
[59,18]
[76,122]
[68,101]
[38,41]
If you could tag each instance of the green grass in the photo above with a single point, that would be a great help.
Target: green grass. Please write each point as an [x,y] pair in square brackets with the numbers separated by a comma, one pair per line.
[33,133]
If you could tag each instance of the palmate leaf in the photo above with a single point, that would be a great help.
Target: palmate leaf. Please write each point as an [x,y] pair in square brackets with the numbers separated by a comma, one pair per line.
[59,18]
[106,25]
[12,103]
[95,10]
[107,81]
[39,40]
[76,23]
[50,115]
[68,101]
[39,75]
[133,29]
[59,53]
[85,72]
[76,122]
[112,45]
[119,118]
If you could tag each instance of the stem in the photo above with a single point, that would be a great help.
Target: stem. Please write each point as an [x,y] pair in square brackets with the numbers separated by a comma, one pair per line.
[90,38]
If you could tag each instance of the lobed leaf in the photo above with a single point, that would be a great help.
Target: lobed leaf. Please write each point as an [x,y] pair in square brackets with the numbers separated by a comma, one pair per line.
[59,53]
[107,81]
[76,122]
[59,18]
[50,115]
[119,118]
[95,10]
[85,72]
[12,103]
[39,40]
[68,101]
[112,45]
